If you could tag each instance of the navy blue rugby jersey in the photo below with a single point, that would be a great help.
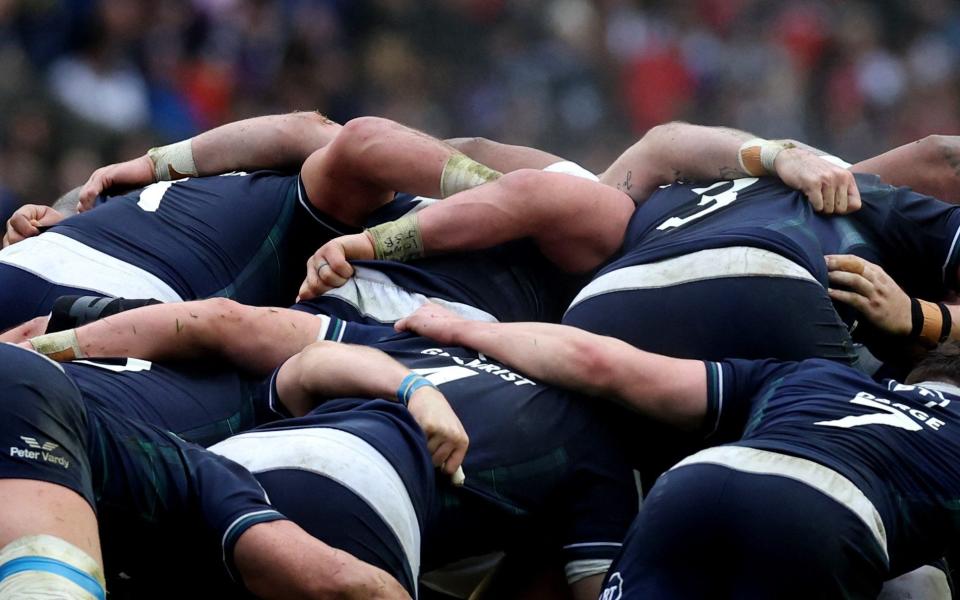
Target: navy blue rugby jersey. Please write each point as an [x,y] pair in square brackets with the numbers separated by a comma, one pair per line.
[913,237]
[199,403]
[899,444]
[241,235]
[534,451]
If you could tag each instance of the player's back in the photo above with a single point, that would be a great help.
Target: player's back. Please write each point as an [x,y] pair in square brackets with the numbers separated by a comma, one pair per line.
[238,235]
[908,234]
[899,445]
[199,402]
[538,457]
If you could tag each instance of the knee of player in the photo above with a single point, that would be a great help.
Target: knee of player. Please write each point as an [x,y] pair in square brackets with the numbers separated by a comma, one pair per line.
[45,566]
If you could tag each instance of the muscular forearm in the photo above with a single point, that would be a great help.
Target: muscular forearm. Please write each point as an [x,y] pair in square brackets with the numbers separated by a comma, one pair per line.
[252,338]
[268,142]
[930,166]
[503,157]
[330,370]
[677,151]
[576,223]
[282,561]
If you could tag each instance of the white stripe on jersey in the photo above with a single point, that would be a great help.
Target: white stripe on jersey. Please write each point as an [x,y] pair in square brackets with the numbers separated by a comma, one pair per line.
[64,261]
[953,245]
[376,296]
[340,456]
[817,476]
[713,263]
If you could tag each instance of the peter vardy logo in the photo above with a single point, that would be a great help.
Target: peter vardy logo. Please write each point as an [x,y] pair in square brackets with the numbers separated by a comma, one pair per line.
[33,443]
[614,589]
[38,451]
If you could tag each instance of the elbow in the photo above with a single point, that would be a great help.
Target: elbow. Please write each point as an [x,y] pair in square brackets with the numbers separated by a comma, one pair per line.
[471,146]
[593,368]
[306,132]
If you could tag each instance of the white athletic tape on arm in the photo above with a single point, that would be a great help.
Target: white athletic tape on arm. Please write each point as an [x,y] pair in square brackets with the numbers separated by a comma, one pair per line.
[59,346]
[461,172]
[174,161]
[41,567]
[757,155]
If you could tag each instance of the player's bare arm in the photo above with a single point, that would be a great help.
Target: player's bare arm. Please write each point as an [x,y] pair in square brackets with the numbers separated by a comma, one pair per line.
[268,142]
[333,370]
[372,158]
[255,339]
[930,166]
[682,151]
[668,389]
[279,560]
[577,224]
[503,157]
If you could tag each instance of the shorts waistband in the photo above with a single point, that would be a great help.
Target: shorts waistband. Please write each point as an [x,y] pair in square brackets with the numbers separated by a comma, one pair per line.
[712,263]
[815,475]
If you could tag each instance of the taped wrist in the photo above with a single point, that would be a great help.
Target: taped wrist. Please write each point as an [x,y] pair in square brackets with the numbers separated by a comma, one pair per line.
[757,155]
[409,385]
[59,346]
[70,312]
[397,240]
[173,161]
[930,323]
[461,172]
[45,566]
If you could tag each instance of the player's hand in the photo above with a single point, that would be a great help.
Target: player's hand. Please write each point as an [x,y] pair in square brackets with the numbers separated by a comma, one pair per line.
[23,332]
[830,189]
[867,288]
[434,322]
[446,439]
[27,220]
[328,267]
[132,173]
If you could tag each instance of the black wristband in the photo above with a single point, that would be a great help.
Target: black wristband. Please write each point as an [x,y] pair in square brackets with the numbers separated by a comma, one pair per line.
[947,322]
[916,318]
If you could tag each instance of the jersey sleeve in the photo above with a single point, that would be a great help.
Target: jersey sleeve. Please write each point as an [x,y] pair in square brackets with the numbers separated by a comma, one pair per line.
[731,387]
[229,498]
[920,234]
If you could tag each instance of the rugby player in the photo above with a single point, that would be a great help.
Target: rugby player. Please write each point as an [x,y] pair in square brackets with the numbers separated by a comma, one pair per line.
[188,248]
[707,270]
[80,473]
[174,240]
[540,460]
[822,482]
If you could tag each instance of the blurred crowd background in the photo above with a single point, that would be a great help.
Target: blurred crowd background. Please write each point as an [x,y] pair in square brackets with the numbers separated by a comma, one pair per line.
[86,82]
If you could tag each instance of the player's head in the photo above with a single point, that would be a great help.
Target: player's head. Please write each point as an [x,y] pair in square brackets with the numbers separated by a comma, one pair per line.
[940,364]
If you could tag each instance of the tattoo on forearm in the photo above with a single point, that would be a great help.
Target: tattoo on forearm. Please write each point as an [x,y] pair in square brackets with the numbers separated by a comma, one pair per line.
[627,183]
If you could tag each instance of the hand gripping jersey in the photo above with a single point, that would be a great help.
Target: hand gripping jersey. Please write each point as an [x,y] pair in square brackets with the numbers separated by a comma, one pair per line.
[913,237]
[736,268]
[899,445]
